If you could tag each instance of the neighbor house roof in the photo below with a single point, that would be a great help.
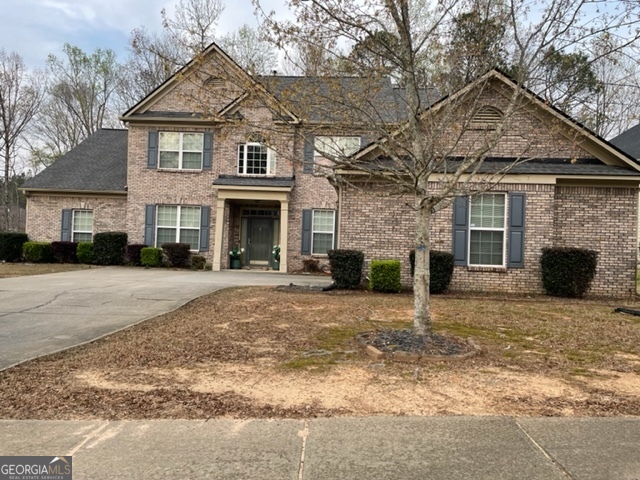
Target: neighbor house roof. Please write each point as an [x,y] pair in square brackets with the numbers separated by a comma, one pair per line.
[629,141]
[98,164]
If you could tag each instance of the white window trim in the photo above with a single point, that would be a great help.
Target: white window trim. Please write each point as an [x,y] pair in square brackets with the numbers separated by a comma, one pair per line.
[177,226]
[485,229]
[181,151]
[73,224]
[271,160]
[314,231]
[320,153]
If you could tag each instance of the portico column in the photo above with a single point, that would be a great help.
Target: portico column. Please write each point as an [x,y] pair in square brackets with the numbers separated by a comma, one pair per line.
[284,228]
[217,243]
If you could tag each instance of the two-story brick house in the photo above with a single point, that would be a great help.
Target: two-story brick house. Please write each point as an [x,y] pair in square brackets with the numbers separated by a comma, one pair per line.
[218,159]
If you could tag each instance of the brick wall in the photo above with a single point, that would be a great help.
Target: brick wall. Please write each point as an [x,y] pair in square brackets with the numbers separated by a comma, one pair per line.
[603,219]
[44,214]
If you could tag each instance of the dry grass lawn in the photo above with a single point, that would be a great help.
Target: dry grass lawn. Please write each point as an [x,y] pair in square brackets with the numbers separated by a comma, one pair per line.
[263,352]
[9,270]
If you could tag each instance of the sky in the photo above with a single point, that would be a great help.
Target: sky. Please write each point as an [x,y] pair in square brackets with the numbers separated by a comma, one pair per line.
[36,28]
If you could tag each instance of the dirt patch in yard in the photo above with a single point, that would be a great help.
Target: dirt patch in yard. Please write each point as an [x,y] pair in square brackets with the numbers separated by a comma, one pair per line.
[262,352]
[10,270]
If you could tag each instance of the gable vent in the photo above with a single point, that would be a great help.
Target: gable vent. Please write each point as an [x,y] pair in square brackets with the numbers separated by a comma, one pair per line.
[215,82]
[486,117]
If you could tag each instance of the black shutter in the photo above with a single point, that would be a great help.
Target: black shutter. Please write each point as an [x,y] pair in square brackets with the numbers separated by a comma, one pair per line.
[205,228]
[207,151]
[460,230]
[149,225]
[152,150]
[308,154]
[65,225]
[307,218]
[516,230]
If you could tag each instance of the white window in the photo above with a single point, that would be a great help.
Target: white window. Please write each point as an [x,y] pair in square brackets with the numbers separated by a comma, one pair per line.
[178,224]
[82,230]
[323,227]
[256,159]
[336,146]
[180,150]
[487,229]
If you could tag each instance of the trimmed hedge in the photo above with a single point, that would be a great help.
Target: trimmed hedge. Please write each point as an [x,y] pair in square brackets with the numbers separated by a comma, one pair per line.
[198,262]
[132,254]
[177,254]
[440,269]
[64,252]
[37,252]
[151,257]
[385,276]
[108,248]
[568,272]
[84,252]
[346,267]
[11,246]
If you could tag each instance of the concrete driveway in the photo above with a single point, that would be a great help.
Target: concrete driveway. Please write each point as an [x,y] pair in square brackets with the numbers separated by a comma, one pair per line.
[43,314]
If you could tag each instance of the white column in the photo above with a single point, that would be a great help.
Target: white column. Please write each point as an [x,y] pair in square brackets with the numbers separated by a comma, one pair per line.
[217,244]
[284,230]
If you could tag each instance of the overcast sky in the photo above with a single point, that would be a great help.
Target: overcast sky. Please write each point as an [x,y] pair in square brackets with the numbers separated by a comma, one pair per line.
[35,28]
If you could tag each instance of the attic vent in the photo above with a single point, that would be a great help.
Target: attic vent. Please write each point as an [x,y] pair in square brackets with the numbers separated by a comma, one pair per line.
[215,82]
[486,117]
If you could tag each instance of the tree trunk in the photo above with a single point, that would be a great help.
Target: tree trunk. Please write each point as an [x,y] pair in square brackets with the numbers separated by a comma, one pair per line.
[422,314]
[7,195]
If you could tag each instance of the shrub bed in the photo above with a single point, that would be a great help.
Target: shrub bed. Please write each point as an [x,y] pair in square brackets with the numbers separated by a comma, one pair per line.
[177,254]
[568,272]
[37,252]
[385,276]
[346,267]
[11,246]
[151,257]
[84,252]
[64,252]
[440,269]
[198,262]
[132,254]
[108,248]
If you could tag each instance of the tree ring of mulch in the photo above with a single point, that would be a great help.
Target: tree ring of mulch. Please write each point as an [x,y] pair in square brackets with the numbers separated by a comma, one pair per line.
[407,347]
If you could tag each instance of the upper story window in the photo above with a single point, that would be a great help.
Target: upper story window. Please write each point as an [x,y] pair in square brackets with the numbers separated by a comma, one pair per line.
[183,151]
[255,158]
[487,227]
[337,146]
[82,226]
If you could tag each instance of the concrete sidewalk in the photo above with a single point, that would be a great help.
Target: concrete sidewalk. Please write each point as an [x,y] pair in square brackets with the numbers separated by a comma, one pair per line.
[435,448]
[43,314]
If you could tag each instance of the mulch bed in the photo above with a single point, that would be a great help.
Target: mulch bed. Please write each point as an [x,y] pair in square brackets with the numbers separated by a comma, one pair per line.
[390,340]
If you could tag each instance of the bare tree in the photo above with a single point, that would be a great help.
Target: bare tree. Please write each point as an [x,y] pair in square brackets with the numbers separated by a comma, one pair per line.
[252,52]
[193,23]
[428,152]
[20,98]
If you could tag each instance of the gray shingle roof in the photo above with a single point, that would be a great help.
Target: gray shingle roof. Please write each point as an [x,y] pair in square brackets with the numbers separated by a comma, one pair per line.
[230,180]
[99,163]
[629,141]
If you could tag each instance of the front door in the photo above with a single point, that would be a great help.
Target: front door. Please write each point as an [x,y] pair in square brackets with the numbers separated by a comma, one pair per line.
[259,240]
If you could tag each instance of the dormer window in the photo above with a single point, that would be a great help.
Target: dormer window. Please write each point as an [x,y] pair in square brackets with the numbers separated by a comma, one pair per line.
[487,117]
[255,158]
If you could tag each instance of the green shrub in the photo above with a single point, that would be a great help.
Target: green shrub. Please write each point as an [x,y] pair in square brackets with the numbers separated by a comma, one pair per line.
[108,248]
[64,252]
[568,272]
[84,252]
[151,257]
[37,252]
[385,276]
[440,269]
[198,262]
[177,254]
[346,267]
[132,254]
[11,246]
